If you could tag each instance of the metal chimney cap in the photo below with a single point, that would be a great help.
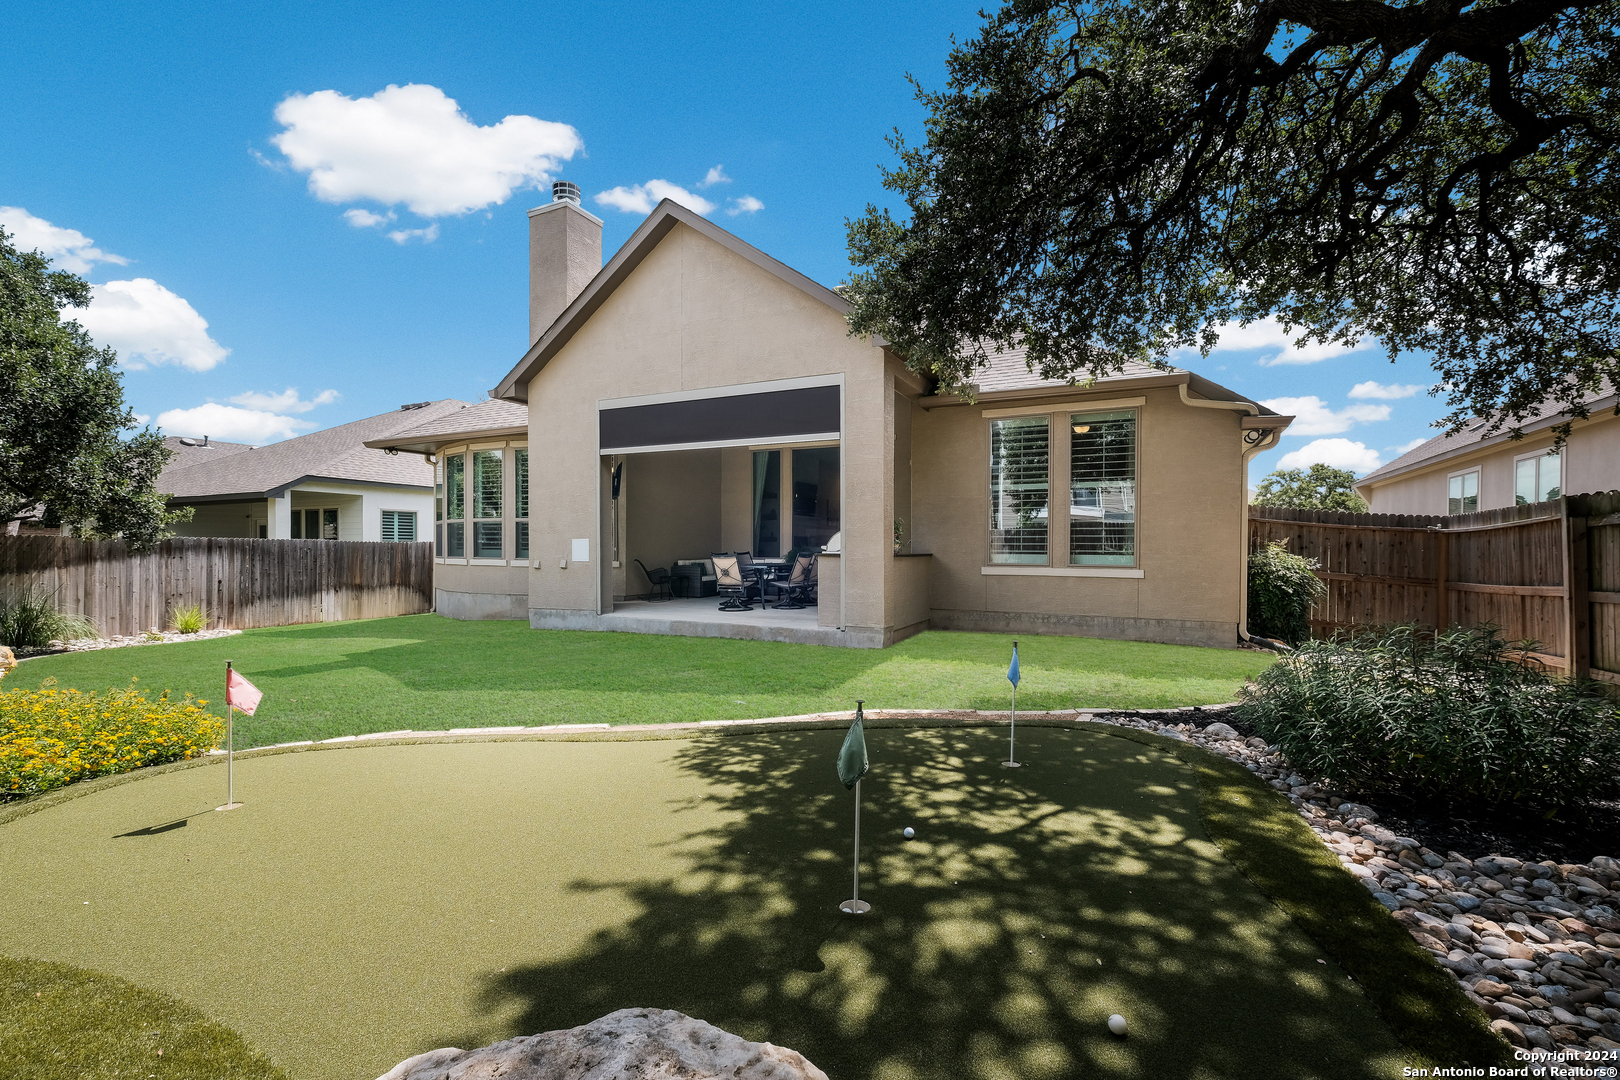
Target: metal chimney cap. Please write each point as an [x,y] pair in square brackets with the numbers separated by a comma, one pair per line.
[563,191]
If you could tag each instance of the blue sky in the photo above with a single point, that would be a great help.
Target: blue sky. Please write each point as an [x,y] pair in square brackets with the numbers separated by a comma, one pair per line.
[281,242]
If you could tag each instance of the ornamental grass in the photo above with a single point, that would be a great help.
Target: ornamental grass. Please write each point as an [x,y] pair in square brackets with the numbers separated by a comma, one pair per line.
[51,737]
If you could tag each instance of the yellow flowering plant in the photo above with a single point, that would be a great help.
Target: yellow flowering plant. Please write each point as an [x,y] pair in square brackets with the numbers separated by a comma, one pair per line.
[52,737]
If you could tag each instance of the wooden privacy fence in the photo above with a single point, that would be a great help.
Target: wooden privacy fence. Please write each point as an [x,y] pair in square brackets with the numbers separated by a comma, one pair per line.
[1548,571]
[241,583]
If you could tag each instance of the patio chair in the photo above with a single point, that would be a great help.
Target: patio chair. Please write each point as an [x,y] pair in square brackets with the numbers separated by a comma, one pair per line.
[799,583]
[659,579]
[731,584]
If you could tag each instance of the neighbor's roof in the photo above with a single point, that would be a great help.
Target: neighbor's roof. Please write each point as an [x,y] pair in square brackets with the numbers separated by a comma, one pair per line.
[665,216]
[1446,447]
[188,452]
[483,420]
[336,454]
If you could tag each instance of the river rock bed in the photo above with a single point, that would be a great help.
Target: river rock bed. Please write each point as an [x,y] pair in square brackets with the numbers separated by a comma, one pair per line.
[1535,944]
[122,641]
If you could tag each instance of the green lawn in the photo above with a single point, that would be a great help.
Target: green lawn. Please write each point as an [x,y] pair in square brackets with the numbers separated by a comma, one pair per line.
[427,673]
[372,901]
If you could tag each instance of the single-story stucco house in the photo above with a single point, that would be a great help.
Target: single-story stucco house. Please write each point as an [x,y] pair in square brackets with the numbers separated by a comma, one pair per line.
[695,395]
[327,485]
[1468,471]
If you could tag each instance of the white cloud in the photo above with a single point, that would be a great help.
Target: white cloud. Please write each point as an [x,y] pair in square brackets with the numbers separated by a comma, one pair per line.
[716,175]
[148,325]
[1269,334]
[68,249]
[413,145]
[405,236]
[141,418]
[641,198]
[365,219]
[745,205]
[287,401]
[1339,453]
[1392,392]
[230,424]
[1313,417]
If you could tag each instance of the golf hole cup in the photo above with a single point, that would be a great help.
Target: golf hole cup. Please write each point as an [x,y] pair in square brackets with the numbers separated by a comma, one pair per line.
[1116,1024]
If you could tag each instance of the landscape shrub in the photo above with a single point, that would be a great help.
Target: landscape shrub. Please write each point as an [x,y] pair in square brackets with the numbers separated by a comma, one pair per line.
[190,619]
[51,737]
[1460,714]
[1283,587]
[29,620]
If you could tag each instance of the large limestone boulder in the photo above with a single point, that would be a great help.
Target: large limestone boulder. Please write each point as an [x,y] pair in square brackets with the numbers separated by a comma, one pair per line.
[631,1044]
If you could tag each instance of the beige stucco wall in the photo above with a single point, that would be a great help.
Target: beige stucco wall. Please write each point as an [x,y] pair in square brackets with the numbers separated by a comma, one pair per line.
[695,315]
[1189,530]
[671,507]
[1591,462]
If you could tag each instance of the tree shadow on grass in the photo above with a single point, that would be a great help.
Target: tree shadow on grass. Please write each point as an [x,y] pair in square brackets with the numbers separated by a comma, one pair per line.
[1033,904]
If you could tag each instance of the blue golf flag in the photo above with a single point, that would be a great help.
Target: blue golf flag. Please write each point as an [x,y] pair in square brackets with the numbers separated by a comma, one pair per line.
[1012,668]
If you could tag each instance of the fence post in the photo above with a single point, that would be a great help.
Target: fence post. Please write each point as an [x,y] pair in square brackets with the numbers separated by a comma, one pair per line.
[1577,608]
[1442,575]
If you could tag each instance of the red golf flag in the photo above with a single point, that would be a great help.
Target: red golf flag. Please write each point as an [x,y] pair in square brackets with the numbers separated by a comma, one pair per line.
[242,695]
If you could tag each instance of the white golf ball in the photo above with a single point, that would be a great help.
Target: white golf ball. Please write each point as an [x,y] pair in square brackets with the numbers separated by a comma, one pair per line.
[1116,1024]
[908,832]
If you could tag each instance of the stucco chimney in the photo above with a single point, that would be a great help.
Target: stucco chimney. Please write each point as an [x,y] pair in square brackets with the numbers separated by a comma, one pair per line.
[565,252]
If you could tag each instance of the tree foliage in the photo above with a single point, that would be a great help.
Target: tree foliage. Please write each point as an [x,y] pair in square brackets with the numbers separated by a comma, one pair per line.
[1113,181]
[1321,487]
[63,454]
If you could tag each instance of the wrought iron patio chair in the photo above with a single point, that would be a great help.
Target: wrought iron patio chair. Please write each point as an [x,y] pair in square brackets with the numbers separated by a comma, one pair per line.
[799,583]
[659,579]
[730,583]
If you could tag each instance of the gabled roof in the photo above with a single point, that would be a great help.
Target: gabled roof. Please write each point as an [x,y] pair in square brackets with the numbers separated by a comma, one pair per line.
[487,419]
[665,216]
[336,454]
[1448,446]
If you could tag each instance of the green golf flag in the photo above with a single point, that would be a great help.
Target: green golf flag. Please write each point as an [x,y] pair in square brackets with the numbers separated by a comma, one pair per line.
[852,762]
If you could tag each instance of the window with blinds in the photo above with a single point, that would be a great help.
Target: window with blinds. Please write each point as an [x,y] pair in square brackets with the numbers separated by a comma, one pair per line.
[520,470]
[399,526]
[455,506]
[1020,466]
[486,504]
[1102,489]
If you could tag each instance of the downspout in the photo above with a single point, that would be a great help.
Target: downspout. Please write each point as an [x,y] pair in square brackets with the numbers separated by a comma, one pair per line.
[1265,443]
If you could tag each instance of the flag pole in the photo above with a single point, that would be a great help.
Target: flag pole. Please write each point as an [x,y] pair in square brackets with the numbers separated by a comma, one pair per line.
[1012,761]
[856,906]
[230,747]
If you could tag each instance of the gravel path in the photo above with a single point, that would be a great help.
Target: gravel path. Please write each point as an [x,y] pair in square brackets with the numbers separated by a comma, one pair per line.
[1536,945]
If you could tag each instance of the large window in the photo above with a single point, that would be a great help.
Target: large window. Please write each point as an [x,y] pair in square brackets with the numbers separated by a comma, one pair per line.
[455,506]
[438,508]
[1462,493]
[315,524]
[1535,479]
[1020,467]
[486,500]
[520,465]
[1102,489]
[815,497]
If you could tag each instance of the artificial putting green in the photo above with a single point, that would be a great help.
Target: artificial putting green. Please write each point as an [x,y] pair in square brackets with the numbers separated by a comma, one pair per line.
[372,902]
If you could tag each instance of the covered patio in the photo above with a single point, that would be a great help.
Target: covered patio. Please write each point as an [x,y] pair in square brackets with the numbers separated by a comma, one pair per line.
[701,617]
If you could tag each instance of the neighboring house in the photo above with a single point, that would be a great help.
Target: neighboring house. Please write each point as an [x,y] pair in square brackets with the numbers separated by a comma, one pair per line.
[1465,472]
[696,395]
[327,485]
